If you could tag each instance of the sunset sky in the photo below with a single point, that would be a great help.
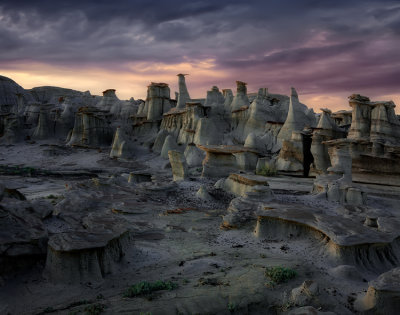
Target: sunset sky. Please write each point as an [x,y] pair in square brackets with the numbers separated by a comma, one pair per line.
[326,49]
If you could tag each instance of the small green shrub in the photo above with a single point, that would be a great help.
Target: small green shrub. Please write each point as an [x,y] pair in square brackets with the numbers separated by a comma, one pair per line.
[231,307]
[94,309]
[144,287]
[279,274]
[267,171]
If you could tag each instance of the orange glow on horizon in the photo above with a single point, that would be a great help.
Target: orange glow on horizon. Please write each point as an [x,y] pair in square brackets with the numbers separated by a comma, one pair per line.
[133,81]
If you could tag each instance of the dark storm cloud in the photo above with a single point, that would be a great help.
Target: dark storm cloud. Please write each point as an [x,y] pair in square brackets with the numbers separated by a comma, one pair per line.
[325,45]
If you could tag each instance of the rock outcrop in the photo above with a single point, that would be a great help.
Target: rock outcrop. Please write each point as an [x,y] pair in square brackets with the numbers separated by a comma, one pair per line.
[178,165]
[252,192]
[23,236]
[383,295]
[240,100]
[91,128]
[183,96]
[82,257]
[121,146]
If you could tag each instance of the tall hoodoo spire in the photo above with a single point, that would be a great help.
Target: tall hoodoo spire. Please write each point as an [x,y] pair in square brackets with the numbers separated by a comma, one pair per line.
[183,96]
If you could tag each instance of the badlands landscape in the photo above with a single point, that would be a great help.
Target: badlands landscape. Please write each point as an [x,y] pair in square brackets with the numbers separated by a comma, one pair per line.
[235,203]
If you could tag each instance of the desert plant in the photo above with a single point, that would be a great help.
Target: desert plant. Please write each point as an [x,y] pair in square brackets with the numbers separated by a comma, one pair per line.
[144,287]
[94,309]
[231,307]
[279,274]
[267,170]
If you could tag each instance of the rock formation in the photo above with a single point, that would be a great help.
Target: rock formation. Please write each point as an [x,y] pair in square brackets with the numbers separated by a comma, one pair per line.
[178,165]
[23,235]
[13,98]
[44,128]
[91,128]
[338,184]
[157,101]
[383,295]
[183,96]
[121,147]
[240,100]
[252,192]
[82,257]
[110,102]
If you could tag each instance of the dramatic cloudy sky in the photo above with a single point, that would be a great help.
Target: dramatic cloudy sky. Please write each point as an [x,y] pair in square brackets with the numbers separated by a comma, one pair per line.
[326,49]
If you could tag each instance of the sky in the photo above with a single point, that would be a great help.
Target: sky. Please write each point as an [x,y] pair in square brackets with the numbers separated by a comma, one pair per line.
[326,49]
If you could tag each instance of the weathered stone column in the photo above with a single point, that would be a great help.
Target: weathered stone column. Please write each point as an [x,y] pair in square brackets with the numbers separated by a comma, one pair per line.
[240,98]
[339,152]
[183,96]
[381,127]
[361,117]
[158,96]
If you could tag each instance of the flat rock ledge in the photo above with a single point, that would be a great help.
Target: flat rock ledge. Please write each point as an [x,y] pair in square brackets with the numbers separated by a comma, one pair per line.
[345,239]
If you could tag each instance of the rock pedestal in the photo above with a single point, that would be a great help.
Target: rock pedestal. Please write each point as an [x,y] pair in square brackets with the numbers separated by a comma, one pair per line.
[81,257]
[220,161]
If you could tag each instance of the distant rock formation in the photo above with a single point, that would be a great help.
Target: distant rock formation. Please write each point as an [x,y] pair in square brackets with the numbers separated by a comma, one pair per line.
[91,128]
[240,100]
[183,96]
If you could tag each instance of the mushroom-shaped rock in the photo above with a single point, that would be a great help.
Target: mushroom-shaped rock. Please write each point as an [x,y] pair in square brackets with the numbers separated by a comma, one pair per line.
[83,256]
[109,101]
[241,184]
